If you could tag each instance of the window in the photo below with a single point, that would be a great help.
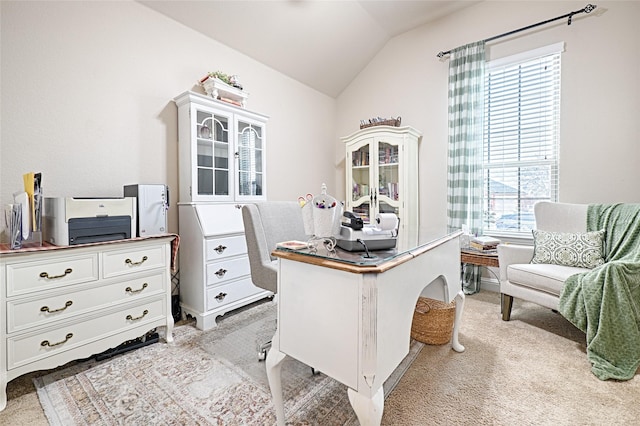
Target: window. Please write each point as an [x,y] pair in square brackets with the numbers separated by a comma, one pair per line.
[521,138]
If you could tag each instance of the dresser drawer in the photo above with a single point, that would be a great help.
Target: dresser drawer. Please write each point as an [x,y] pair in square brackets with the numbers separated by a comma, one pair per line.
[221,295]
[121,262]
[22,314]
[228,269]
[54,272]
[222,247]
[32,347]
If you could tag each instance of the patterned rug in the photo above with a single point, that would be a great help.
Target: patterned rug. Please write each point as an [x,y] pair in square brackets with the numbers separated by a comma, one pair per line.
[203,378]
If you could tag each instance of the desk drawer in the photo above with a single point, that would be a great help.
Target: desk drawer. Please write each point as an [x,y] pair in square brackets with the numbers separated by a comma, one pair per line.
[120,262]
[32,347]
[23,314]
[221,295]
[36,276]
[228,269]
[222,247]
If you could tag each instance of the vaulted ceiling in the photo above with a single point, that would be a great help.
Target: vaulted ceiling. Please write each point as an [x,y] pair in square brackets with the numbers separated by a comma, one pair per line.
[321,43]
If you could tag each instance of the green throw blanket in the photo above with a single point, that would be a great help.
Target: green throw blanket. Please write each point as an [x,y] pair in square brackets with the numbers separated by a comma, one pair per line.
[605,302]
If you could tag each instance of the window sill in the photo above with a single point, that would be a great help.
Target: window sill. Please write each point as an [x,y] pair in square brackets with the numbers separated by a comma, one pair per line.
[524,238]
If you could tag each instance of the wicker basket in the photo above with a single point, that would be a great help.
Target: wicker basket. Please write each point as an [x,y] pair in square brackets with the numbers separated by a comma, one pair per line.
[433,321]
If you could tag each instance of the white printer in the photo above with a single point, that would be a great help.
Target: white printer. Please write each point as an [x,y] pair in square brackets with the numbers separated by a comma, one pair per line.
[71,221]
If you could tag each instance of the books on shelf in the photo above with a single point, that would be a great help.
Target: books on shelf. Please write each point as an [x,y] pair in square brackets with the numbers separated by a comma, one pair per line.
[360,158]
[484,243]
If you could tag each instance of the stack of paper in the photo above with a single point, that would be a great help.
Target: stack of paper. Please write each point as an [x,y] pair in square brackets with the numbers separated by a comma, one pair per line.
[33,188]
[22,199]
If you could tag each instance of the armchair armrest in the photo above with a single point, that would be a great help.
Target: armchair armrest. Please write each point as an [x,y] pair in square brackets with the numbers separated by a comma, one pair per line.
[509,254]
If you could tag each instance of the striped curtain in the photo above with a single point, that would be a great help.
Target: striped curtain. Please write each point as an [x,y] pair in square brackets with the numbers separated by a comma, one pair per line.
[466,112]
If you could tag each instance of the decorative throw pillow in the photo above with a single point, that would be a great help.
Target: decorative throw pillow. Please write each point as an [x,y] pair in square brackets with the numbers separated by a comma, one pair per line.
[583,250]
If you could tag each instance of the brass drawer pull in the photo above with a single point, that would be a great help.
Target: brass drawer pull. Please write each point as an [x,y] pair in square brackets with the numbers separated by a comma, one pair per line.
[220,297]
[130,290]
[220,272]
[130,318]
[46,275]
[47,309]
[220,249]
[132,263]
[46,342]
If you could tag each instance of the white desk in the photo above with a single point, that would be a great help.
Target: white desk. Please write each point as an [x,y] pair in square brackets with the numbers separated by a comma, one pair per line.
[350,317]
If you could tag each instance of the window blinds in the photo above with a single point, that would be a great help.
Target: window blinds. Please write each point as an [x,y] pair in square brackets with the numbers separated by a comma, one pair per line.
[521,137]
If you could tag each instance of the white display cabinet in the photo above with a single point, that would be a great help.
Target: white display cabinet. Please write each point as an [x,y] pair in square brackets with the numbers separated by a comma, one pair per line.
[222,158]
[221,151]
[382,175]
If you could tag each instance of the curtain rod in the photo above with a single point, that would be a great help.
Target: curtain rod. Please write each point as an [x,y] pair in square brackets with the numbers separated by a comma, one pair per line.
[587,9]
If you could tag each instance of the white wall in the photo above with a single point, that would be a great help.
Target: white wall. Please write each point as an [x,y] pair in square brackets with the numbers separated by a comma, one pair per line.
[600,142]
[86,90]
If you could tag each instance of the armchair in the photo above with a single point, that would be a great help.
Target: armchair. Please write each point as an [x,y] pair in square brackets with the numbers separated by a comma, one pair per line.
[586,265]
[265,225]
[539,283]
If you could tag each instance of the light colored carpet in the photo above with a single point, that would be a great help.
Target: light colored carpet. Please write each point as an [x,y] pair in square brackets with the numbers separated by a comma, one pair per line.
[531,370]
[203,378]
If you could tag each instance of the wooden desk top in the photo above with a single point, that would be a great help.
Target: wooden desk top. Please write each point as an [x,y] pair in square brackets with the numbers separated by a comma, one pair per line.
[48,247]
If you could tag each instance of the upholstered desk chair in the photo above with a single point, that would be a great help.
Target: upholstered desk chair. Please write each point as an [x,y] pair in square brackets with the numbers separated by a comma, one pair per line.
[265,225]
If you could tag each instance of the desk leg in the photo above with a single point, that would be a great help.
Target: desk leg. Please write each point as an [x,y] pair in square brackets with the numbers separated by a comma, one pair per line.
[455,343]
[368,410]
[274,367]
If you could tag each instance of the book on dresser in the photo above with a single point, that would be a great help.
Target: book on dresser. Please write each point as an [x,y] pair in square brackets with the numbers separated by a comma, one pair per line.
[484,243]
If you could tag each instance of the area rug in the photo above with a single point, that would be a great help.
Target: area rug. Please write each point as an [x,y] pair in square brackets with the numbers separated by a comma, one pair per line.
[203,378]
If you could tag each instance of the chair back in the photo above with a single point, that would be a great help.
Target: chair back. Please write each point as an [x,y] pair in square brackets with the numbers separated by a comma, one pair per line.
[560,217]
[265,225]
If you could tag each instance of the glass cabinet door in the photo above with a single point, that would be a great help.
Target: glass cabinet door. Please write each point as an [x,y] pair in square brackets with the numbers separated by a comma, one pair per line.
[250,173]
[221,151]
[213,154]
[384,161]
[388,177]
[362,192]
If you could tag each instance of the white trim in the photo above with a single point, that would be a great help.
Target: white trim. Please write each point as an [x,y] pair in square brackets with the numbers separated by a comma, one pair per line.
[489,284]
[521,238]
[525,56]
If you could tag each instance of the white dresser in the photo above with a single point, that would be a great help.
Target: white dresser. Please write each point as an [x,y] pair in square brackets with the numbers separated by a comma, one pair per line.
[214,267]
[65,303]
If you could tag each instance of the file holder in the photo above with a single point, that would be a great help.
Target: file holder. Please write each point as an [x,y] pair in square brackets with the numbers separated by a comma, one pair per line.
[34,240]
[13,218]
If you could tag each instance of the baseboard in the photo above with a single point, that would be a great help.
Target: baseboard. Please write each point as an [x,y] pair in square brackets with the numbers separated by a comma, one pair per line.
[490,285]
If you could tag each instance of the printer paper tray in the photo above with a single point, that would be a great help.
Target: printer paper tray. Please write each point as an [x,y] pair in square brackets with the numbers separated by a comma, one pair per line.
[99,229]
